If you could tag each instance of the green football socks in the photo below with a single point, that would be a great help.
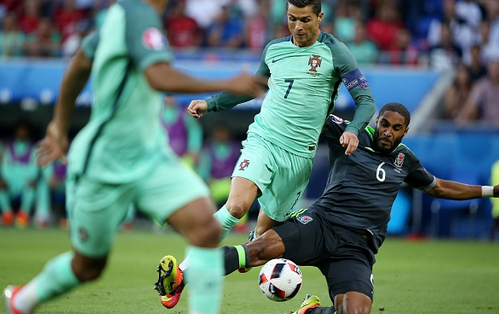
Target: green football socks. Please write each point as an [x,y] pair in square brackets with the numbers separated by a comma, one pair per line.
[205,279]
[56,278]
[226,220]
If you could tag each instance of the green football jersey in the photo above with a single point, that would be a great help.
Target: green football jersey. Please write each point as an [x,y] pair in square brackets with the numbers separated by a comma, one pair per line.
[303,86]
[124,131]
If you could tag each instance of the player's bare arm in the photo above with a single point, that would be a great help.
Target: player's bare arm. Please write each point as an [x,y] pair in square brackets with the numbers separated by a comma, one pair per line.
[460,191]
[162,77]
[55,143]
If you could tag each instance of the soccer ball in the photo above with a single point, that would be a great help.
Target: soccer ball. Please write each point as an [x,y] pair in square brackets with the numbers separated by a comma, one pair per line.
[280,279]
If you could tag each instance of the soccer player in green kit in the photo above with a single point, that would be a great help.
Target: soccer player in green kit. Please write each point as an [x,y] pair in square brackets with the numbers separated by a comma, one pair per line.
[120,157]
[305,71]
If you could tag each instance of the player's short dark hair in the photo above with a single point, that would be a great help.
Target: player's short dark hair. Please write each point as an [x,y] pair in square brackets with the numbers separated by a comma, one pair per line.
[397,107]
[316,4]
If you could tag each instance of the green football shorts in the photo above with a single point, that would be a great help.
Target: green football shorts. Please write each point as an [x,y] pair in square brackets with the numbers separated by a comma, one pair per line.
[97,209]
[280,175]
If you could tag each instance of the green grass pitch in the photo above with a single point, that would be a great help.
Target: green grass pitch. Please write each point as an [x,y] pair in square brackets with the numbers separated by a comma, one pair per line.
[425,277]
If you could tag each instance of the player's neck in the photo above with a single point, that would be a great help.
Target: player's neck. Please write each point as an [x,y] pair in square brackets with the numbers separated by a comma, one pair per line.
[309,42]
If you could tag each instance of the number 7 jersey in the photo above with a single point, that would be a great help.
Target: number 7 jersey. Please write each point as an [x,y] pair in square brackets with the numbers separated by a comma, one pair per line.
[303,86]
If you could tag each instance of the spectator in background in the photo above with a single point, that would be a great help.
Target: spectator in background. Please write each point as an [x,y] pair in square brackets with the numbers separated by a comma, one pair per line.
[30,16]
[385,25]
[462,33]
[445,54]
[11,38]
[87,5]
[402,51]
[50,195]
[482,102]
[45,42]
[204,11]
[457,94]
[493,17]
[225,31]
[184,132]
[256,28]
[42,198]
[12,6]
[346,17]
[218,159]
[364,50]
[277,17]
[469,12]
[71,44]
[484,37]
[19,172]
[182,31]
[67,17]
[476,66]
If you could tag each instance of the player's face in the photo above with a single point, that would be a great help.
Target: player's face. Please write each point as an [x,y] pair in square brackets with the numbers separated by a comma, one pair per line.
[390,129]
[303,24]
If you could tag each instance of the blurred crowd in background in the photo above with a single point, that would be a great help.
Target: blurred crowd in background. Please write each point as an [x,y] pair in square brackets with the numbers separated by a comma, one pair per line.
[436,33]
[460,35]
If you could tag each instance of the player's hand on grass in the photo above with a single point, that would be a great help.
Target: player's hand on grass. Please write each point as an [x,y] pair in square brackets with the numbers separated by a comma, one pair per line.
[197,107]
[350,141]
[53,146]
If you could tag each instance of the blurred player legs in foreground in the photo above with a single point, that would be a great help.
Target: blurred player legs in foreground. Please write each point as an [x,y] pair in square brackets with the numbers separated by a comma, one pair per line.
[110,169]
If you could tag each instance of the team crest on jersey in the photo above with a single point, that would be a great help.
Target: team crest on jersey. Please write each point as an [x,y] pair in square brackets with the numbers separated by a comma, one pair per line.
[399,161]
[336,119]
[153,38]
[245,163]
[314,62]
[305,219]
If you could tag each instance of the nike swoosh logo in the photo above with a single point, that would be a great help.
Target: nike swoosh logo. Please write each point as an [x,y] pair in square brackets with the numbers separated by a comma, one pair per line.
[275,60]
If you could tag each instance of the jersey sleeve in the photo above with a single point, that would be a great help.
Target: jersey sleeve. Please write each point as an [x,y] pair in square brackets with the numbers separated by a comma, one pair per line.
[145,37]
[89,44]
[418,177]
[357,85]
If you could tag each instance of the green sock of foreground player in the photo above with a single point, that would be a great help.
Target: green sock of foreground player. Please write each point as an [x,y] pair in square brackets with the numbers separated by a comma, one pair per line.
[226,220]
[55,279]
[205,278]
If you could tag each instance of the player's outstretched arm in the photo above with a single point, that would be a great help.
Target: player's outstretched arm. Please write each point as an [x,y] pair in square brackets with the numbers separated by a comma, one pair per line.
[162,77]
[55,143]
[460,191]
